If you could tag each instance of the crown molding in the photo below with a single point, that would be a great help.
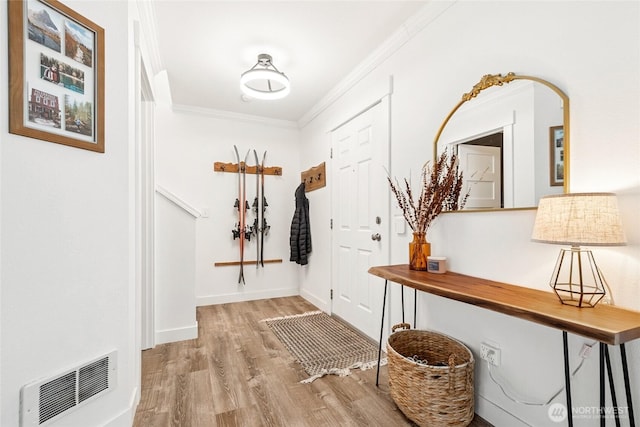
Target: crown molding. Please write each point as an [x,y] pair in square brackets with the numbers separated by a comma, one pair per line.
[230,115]
[412,26]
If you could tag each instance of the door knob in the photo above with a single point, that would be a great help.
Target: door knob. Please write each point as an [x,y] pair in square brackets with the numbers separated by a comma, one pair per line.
[376,236]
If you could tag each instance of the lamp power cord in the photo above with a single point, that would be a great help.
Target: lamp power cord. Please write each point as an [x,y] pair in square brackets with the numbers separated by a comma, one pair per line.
[584,354]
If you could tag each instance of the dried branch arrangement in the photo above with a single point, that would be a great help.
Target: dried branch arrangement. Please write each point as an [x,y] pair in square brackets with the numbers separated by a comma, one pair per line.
[441,187]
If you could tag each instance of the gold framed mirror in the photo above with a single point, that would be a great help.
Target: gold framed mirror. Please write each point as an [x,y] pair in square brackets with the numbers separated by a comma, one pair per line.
[512,141]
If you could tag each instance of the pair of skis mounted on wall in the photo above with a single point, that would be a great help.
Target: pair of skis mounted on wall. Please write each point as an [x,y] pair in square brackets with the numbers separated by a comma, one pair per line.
[243,231]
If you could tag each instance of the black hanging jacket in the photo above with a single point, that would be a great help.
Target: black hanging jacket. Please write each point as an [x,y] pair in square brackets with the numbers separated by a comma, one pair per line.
[300,238]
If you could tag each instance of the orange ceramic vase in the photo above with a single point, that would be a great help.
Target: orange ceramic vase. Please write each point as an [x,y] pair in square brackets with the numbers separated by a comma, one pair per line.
[419,250]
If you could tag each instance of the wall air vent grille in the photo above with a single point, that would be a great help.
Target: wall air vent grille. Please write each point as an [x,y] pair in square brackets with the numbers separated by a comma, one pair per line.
[57,396]
[44,401]
[93,379]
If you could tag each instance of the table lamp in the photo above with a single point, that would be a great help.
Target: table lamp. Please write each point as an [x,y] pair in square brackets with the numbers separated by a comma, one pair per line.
[576,219]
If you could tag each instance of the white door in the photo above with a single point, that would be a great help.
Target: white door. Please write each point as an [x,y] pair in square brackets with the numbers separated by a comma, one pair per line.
[360,214]
[481,170]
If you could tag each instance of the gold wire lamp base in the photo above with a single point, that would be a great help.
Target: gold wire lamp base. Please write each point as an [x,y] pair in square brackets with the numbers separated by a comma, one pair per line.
[576,278]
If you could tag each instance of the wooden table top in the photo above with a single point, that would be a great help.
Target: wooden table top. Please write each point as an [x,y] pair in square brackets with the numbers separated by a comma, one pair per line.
[605,323]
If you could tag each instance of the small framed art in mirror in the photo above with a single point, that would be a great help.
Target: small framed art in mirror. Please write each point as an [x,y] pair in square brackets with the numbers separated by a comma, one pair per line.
[556,156]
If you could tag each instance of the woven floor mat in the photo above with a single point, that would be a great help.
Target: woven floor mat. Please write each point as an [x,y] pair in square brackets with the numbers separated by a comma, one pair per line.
[325,345]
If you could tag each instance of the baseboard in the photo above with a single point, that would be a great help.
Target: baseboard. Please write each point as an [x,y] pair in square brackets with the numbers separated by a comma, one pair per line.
[177,334]
[134,401]
[246,296]
[495,415]
[125,418]
[315,300]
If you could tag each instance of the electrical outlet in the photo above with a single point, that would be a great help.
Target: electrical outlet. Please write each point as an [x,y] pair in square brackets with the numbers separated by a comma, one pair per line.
[490,353]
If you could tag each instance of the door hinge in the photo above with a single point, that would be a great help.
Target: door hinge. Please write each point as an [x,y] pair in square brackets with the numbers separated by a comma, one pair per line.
[331,223]
[331,295]
[331,153]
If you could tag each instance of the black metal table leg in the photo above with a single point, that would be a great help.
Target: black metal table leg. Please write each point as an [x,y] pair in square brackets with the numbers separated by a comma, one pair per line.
[567,378]
[601,351]
[402,298]
[627,386]
[415,307]
[384,302]
[612,387]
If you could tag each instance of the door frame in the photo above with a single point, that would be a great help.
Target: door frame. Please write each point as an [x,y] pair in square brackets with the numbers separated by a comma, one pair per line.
[146,198]
[506,127]
[144,188]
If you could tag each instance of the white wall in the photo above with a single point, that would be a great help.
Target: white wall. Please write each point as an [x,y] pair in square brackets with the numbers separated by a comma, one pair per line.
[549,113]
[66,214]
[175,275]
[188,143]
[591,51]
[68,291]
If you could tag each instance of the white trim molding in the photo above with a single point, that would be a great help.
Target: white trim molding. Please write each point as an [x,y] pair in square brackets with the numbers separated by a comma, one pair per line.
[178,202]
[146,10]
[406,32]
[230,115]
[245,296]
[177,334]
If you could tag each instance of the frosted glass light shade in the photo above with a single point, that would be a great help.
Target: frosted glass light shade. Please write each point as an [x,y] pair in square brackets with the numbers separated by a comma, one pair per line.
[258,83]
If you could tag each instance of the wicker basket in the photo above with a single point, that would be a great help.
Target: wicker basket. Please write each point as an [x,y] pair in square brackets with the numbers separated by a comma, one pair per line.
[438,393]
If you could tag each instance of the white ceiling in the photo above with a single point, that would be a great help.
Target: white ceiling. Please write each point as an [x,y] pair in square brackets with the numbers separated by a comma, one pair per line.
[206,45]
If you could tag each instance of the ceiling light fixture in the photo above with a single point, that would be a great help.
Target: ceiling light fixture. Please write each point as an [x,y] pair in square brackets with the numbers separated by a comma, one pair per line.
[264,80]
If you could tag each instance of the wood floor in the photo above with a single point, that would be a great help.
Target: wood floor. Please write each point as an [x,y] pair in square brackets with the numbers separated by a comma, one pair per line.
[237,373]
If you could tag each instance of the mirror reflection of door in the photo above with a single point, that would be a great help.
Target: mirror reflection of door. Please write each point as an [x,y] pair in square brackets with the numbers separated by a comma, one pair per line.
[481,165]
[523,111]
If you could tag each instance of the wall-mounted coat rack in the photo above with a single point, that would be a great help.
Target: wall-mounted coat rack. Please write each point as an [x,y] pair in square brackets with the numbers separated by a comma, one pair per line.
[233,167]
[314,177]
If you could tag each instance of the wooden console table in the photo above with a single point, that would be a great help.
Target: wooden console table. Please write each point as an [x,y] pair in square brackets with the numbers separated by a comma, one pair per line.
[604,323]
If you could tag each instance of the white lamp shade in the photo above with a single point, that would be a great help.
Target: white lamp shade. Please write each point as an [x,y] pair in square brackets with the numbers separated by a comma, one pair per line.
[575,219]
